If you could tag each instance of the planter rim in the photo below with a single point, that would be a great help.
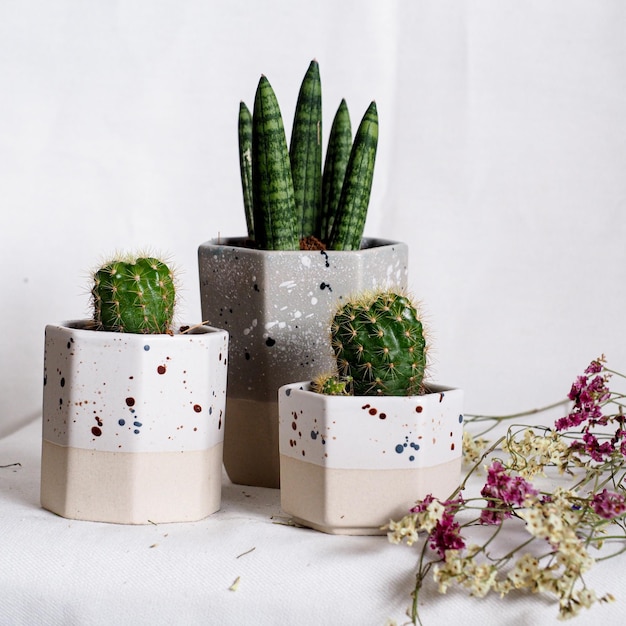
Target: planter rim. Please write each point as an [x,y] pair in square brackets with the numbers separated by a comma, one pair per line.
[305,386]
[84,325]
[238,242]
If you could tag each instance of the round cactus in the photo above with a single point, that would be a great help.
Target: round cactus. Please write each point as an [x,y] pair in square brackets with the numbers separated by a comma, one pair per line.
[134,296]
[379,344]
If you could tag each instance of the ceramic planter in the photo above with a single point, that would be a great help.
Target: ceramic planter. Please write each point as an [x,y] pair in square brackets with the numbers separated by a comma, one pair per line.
[133,424]
[277,307]
[349,464]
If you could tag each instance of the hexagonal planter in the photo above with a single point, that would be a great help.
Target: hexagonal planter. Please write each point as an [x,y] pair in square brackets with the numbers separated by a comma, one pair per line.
[133,424]
[277,306]
[349,464]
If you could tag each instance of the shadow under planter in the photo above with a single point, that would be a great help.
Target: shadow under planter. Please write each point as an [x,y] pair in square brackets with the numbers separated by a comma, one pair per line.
[349,464]
[133,424]
[277,306]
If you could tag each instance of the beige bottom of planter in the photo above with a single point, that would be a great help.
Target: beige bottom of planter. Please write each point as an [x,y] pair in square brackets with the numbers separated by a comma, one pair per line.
[131,488]
[358,502]
[251,443]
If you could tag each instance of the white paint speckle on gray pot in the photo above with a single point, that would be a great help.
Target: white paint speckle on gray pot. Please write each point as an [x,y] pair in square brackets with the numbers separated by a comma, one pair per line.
[133,424]
[349,464]
[277,307]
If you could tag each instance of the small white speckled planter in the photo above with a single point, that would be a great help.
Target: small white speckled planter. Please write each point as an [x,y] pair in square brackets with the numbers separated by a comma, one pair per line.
[133,424]
[349,464]
[277,306]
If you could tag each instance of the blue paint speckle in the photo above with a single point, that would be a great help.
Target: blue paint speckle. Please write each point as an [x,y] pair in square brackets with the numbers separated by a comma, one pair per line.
[146,348]
[138,424]
[411,458]
[399,448]
[136,431]
[313,435]
[415,446]
[460,419]
[121,422]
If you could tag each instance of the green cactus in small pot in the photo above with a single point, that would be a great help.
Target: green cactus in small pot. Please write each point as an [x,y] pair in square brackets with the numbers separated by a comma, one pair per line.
[379,346]
[134,295]
[290,201]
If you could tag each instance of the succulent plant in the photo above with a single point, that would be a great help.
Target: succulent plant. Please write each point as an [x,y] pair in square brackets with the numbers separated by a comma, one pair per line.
[134,295]
[290,201]
[378,342]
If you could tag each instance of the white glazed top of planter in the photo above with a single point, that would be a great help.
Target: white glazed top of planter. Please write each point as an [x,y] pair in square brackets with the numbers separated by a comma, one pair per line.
[122,392]
[369,432]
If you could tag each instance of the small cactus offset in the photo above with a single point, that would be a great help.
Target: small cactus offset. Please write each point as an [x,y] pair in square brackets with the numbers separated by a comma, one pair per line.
[134,295]
[331,385]
[379,345]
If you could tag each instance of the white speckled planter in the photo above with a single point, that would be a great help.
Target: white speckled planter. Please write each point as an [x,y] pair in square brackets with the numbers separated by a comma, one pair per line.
[133,424]
[350,464]
[277,307]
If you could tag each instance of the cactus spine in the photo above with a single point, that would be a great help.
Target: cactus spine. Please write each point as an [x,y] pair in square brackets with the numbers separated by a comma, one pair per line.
[290,201]
[134,296]
[379,346]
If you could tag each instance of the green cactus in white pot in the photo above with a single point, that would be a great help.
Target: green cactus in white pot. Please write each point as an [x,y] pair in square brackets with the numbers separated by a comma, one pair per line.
[134,295]
[379,346]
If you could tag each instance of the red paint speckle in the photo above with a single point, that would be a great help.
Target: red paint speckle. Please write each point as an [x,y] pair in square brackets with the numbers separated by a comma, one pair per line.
[419,409]
[197,408]
[161,369]
[373,411]
[96,432]
[130,401]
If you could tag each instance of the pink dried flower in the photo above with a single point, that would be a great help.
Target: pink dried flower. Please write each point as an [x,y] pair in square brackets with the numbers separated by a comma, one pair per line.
[592,447]
[503,491]
[446,534]
[588,396]
[422,505]
[595,366]
[608,504]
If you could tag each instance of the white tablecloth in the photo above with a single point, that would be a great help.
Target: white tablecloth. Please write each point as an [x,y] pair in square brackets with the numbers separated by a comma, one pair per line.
[59,571]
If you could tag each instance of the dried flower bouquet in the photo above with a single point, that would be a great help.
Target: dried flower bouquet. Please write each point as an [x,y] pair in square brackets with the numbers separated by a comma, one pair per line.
[552,504]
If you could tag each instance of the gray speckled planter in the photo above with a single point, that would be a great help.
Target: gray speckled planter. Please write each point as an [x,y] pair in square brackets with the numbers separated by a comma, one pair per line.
[350,464]
[133,424]
[277,307]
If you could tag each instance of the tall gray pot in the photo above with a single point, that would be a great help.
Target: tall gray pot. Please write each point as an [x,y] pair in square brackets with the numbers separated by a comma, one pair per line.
[277,307]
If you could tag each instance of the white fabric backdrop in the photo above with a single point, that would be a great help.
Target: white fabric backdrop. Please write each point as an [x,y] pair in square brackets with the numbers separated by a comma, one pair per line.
[501,163]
